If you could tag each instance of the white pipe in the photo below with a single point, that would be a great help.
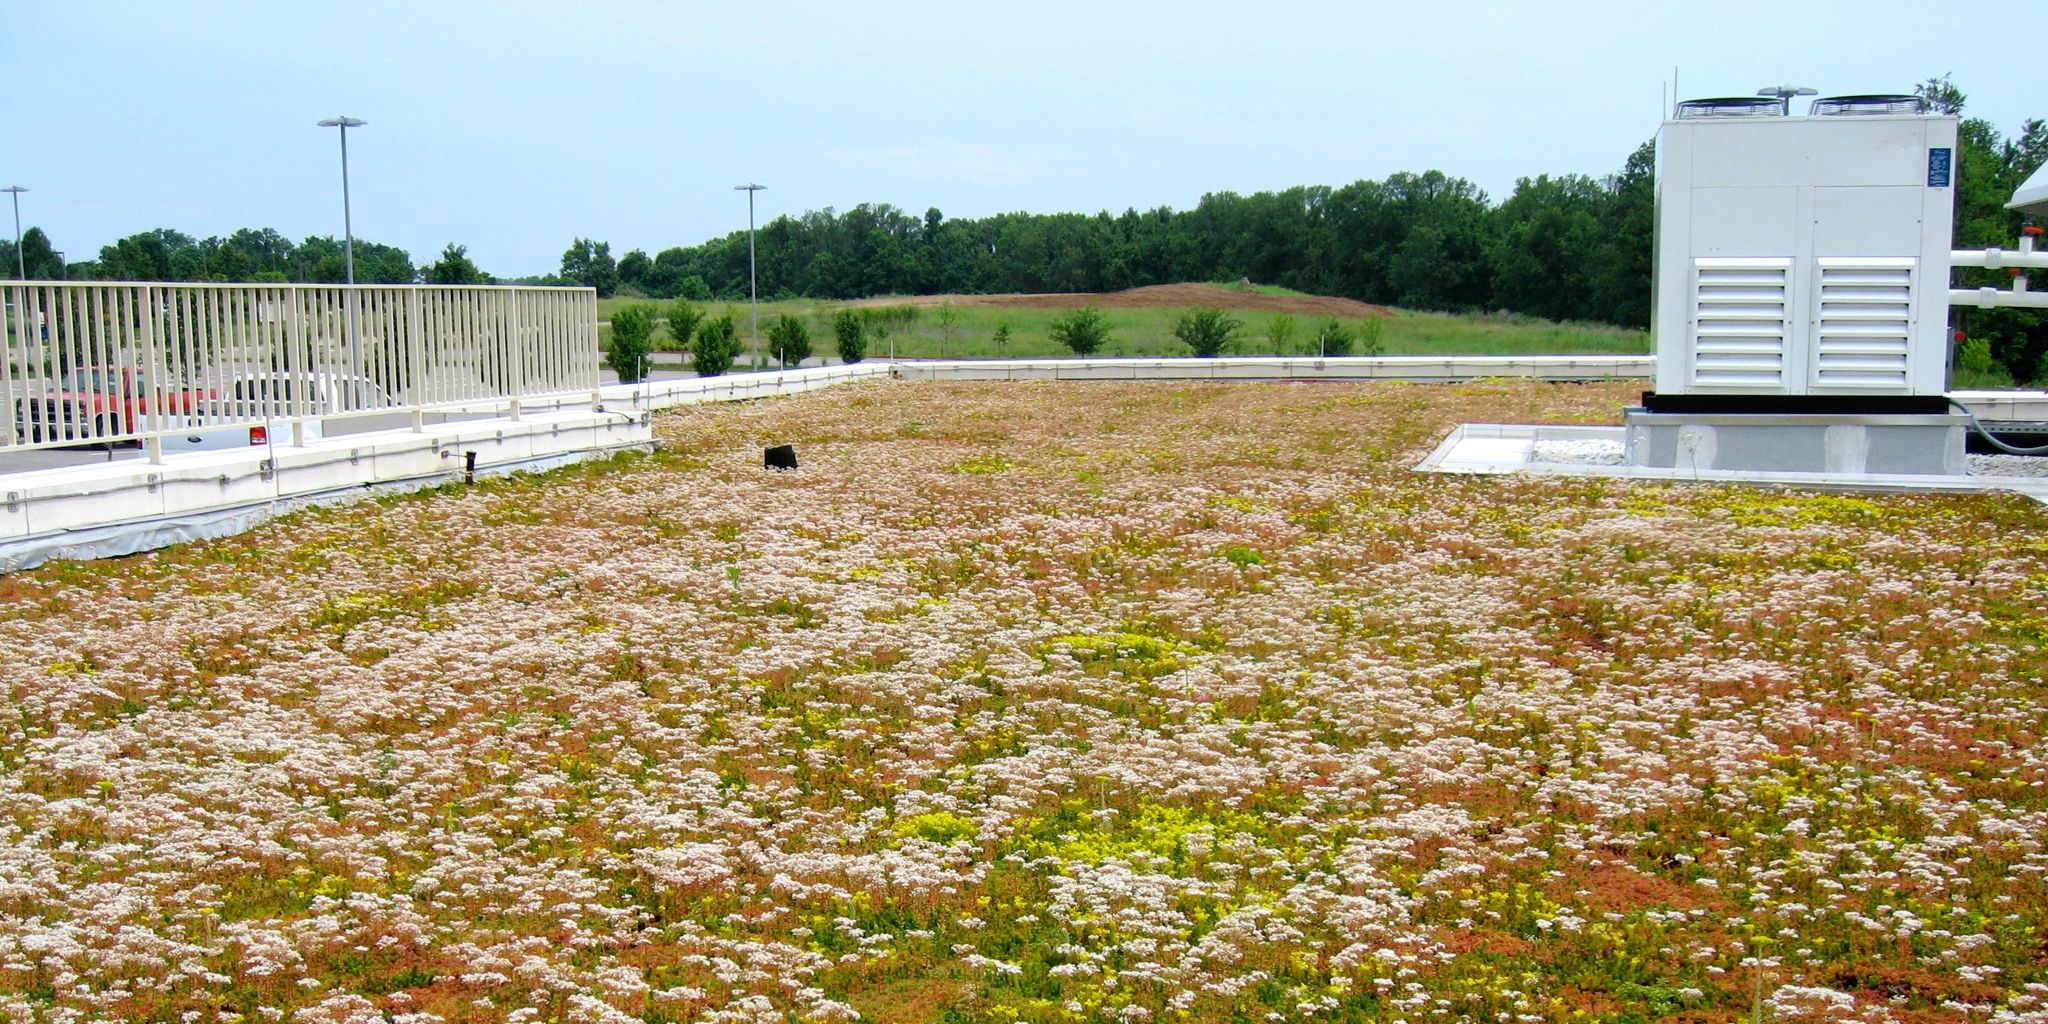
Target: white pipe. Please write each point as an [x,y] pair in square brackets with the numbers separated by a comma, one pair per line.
[1995,259]
[1987,298]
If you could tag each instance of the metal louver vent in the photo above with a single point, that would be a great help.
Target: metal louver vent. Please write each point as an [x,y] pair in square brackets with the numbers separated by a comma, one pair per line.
[1840,106]
[1739,324]
[1731,106]
[1862,323]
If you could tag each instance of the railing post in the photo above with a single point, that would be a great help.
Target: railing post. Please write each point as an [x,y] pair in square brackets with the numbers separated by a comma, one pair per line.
[16,340]
[512,351]
[354,340]
[586,353]
[159,364]
[416,359]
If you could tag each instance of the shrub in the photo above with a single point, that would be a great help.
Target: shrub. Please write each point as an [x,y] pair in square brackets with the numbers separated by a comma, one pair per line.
[683,318]
[1002,335]
[717,345]
[891,314]
[694,289]
[1975,368]
[1369,331]
[948,318]
[850,330]
[632,339]
[1206,330]
[789,341]
[886,320]
[1081,330]
[1333,338]
[1281,333]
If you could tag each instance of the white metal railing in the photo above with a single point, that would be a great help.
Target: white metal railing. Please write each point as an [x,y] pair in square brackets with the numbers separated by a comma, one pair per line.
[2019,262]
[136,362]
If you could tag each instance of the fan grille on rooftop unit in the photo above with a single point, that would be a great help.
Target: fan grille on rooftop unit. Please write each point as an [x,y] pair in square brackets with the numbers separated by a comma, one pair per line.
[1731,106]
[1837,106]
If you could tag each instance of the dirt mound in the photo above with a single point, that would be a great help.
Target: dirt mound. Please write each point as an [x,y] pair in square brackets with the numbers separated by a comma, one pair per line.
[1155,296]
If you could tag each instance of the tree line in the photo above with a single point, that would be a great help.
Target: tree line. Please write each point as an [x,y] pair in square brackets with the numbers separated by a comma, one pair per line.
[259,255]
[1567,247]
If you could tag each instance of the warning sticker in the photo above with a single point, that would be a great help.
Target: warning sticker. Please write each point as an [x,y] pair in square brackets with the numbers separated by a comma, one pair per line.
[1939,161]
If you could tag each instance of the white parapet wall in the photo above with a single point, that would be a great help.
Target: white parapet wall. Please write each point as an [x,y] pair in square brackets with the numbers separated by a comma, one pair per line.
[2005,406]
[103,509]
[114,508]
[1341,368]
[661,394]
[120,507]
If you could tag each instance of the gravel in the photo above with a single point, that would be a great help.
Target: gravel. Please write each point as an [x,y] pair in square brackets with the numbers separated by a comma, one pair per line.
[1609,453]
[2008,465]
[1578,453]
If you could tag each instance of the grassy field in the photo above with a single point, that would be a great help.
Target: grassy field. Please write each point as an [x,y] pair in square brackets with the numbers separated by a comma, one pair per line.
[1054,704]
[1149,332]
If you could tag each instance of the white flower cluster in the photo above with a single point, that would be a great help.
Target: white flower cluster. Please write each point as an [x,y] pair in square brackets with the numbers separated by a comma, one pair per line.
[1194,704]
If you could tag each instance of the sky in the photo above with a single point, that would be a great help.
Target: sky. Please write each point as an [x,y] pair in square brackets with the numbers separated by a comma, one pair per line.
[513,127]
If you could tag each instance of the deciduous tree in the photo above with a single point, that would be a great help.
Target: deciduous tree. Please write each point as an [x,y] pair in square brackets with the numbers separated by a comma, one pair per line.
[789,341]
[454,267]
[1333,338]
[1082,331]
[683,318]
[632,340]
[849,331]
[1206,330]
[715,348]
[590,264]
[1280,332]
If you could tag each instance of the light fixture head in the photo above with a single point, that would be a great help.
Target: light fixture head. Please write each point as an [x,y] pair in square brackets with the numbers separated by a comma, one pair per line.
[342,122]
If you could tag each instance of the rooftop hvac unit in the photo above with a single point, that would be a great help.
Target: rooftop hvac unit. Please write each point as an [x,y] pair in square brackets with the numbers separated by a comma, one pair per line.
[1803,256]
[2032,196]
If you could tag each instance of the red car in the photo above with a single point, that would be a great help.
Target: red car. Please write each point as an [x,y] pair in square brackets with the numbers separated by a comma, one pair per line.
[96,404]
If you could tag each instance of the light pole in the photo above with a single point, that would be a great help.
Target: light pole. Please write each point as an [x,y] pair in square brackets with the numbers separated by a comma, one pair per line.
[20,265]
[348,233]
[753,292]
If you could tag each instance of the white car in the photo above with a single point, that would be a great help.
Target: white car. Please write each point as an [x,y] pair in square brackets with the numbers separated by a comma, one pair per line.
[253,405]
